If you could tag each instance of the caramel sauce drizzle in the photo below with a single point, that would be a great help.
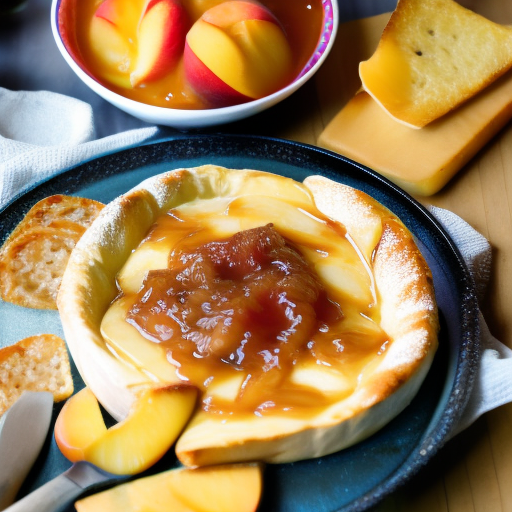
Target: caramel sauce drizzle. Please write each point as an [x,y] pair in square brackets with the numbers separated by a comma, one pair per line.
[250,308]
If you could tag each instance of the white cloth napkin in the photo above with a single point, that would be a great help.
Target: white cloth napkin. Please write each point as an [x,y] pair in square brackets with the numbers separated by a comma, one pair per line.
[493,381]
[43,133]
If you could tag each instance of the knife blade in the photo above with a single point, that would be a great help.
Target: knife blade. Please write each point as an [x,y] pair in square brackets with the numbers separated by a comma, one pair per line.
[65,488]
[23,431]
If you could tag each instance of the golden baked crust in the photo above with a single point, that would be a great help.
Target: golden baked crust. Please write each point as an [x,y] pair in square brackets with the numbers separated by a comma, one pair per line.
[404,289]
[433,56]
[37,363]
[34,256]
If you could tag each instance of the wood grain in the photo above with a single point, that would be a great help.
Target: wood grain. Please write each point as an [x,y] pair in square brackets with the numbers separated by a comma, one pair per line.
[473,473]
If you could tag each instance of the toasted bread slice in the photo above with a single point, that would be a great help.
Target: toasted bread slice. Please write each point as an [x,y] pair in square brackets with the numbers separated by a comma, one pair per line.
[32,264]
[33,258]
[69,213]
[434,55]
[37,363]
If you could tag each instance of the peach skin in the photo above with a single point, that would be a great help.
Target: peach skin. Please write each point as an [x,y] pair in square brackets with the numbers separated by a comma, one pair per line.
[132,445]
[161,38]
[137,41]
[79,424]
[237,51]
[111,38]
[228,488]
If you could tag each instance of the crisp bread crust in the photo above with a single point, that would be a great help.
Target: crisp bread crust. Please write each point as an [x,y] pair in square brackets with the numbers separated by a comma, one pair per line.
[433,56]
[403,282]
[36,363]
[34,256]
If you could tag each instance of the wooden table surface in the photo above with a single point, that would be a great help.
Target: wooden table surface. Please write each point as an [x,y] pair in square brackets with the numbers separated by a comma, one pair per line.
[474,471]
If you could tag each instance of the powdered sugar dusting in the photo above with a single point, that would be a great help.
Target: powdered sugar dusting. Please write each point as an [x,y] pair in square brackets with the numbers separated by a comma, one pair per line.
[408,305]
[406,349]
[159,186]
[351,210]
[104,228]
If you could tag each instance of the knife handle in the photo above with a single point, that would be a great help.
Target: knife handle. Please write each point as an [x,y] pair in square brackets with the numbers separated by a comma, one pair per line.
[50,497]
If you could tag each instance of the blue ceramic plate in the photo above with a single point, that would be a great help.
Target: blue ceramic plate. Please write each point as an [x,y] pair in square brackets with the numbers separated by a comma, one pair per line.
[353,479]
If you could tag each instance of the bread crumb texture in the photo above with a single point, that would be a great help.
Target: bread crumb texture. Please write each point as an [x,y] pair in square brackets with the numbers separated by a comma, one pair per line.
[33,258]
[36,363]
[433,56]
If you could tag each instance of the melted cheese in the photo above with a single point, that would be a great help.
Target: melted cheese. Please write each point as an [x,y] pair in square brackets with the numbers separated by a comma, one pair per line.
[420,161]
[328,413]
[329,370]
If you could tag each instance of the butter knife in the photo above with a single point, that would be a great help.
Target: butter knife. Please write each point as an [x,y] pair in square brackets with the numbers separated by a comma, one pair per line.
[23,431]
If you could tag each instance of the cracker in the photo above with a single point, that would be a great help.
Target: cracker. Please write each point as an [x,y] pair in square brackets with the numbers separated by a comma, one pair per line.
[33,258]
[37,363]
[433,56]
[69,213]
[32,265]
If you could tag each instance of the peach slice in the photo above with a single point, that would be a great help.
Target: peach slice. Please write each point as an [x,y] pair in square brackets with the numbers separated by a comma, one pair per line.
[229,488]
[208,84]
[136,443]
[111,34]
[161,38]
[121,13]
[237,51]
[111,49]
[79,424]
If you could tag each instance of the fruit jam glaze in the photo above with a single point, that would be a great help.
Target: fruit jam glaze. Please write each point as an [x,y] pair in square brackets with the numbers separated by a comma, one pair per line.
[256,320]
[192,54]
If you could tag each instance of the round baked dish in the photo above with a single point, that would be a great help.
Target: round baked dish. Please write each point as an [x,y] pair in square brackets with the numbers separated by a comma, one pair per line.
[371,329]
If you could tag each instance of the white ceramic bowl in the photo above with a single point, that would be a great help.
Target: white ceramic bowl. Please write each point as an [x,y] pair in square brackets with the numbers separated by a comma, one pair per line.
[186,119]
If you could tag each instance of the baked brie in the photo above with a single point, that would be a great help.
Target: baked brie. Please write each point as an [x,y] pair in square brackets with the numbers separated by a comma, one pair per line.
[304,313]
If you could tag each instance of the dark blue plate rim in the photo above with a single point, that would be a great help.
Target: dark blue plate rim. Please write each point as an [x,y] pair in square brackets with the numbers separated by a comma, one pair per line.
[309,159]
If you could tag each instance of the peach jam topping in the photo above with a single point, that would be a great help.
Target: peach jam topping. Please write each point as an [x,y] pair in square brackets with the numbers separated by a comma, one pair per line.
[247,318]
[250,302]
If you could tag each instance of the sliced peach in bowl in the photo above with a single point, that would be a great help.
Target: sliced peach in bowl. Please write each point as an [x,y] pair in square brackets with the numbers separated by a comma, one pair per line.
[136,42]
[161,38]
[237,50]
[182,107]
[111,38]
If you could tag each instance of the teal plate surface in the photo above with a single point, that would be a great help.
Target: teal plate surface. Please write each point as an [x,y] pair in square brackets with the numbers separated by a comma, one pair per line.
[356,478]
